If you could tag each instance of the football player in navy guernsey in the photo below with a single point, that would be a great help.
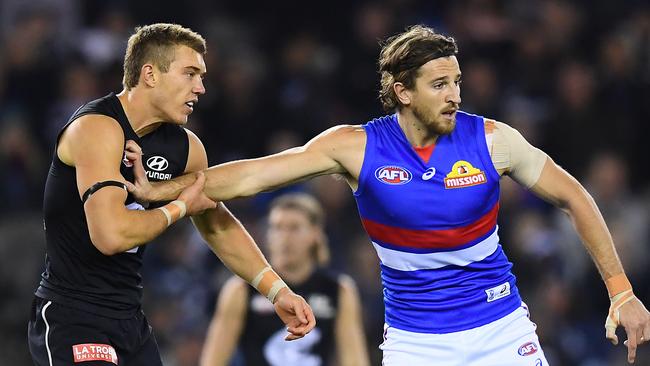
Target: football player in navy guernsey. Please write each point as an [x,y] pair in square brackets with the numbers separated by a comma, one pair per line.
[298,250]
[87,307]
[426,181]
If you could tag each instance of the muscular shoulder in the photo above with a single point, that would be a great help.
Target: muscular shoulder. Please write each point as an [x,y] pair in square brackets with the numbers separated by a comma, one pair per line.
[512,154]
[197,158]
[93,126]
[91,131]
[341,135]
[343,143]
[347,284]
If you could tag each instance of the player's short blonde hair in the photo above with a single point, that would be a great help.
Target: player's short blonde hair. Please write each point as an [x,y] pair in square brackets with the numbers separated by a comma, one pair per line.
[155,44]
[313,210]
[402,55]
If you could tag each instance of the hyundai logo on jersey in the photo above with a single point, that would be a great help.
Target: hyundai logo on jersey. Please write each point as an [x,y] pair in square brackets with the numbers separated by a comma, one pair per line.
[392,174]
[157,163]
[527,349]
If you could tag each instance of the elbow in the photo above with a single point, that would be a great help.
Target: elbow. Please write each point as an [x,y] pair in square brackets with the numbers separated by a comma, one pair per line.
[108,244]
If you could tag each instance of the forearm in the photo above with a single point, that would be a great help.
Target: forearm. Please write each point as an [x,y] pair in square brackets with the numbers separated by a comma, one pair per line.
[244,178]
[593,232]
[170,189]
[228,239]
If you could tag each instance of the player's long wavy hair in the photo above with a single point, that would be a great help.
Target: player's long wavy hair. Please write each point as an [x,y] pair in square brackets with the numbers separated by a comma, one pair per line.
[402,55]
[314,212]
[155,43]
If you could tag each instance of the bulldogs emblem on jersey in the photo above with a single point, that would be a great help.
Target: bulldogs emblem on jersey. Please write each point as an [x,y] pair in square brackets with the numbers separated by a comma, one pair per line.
[393,175]
[463,174]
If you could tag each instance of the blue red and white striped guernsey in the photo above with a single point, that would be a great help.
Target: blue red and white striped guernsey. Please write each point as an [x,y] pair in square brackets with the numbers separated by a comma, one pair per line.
[433,223]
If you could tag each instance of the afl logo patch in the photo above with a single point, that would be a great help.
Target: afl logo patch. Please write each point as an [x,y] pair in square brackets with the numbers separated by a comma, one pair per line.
[394,175]
[527,349]
[157,163]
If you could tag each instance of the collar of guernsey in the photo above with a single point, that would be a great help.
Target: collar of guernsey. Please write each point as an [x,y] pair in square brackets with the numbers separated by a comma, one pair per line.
[434,227]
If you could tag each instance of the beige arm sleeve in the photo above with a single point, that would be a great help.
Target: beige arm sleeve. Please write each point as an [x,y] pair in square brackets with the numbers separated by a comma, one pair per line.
[512,154]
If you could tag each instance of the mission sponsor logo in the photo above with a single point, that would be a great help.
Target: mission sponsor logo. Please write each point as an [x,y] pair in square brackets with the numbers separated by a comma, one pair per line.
[94,352]
[393,174]
[527,349]
[463,174]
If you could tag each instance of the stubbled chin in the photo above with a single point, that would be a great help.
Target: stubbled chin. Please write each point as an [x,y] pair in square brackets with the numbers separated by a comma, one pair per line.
[445,126]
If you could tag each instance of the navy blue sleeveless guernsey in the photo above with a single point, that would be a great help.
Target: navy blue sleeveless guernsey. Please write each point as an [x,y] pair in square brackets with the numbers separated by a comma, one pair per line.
[76,273]
[434,226]
[262,341]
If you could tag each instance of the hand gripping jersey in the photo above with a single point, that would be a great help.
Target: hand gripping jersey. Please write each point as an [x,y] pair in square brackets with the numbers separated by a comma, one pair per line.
[434,226]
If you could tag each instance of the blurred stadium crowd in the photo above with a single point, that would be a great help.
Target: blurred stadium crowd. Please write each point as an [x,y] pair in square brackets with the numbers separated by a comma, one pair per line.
[572,76]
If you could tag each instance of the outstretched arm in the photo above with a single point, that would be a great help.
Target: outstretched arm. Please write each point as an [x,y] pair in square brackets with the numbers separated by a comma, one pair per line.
[558,187]
[338,150]
[532,168]
[230,241]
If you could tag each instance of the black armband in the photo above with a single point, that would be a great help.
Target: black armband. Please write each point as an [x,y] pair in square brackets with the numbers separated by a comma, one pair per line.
[99,185]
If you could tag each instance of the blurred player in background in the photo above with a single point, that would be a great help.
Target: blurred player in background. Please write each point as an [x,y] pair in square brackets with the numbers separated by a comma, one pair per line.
[298,250]
[426,181]
[87,307]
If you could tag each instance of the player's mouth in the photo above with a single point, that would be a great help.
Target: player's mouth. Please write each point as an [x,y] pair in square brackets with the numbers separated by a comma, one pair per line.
[450,113]
[190,104]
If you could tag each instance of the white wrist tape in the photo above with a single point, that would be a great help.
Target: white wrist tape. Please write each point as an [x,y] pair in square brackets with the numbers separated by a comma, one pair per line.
[268,283]
[173,211]
[613,317]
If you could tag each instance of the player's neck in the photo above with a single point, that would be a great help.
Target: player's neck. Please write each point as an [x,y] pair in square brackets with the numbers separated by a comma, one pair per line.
[417,132]
[296,275]
[139,112]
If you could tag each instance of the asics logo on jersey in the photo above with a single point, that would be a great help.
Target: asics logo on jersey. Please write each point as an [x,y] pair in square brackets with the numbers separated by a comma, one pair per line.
[463,174]
[527,349]
[429,173]
[392,174]
[498,292]
[157,163]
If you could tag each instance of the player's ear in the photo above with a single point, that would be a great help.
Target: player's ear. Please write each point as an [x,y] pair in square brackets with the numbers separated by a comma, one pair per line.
[402,93]
[148,75]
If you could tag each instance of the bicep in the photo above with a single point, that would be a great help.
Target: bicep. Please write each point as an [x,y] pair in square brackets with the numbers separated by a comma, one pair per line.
[334,151]
[95,145]
[556,186]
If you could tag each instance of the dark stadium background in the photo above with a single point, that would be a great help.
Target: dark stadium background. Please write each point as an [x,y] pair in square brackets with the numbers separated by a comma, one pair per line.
[573,77]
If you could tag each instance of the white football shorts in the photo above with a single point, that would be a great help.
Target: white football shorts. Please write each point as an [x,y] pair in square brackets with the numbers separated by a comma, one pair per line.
[509,341]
